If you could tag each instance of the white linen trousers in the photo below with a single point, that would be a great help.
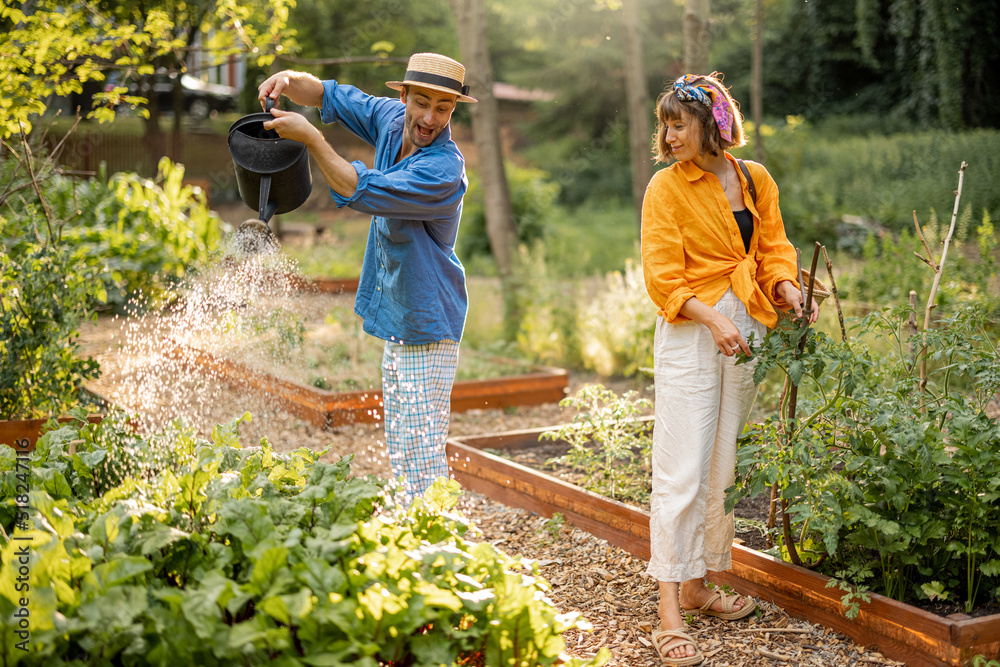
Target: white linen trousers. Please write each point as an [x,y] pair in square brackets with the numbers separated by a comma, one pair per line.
[702,401]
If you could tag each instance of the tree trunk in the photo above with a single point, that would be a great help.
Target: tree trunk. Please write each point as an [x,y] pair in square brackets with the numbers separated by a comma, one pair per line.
[470,19]
[637,94]
[696,14]
[757,81]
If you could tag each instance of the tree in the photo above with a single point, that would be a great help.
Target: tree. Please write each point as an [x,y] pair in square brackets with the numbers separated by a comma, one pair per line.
[56,46]
[942,55]
[696,38]
[255,28]
[470,17]
[47,48]
[46,285]
[756,82]
[636,91]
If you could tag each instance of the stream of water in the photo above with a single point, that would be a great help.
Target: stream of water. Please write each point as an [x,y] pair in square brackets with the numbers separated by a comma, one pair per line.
[238,305]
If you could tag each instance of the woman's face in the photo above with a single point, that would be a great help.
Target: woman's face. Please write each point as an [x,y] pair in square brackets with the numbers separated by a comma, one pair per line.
[684,136]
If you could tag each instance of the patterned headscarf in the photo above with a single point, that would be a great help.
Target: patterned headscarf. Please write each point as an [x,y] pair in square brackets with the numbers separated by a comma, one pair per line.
[685,90]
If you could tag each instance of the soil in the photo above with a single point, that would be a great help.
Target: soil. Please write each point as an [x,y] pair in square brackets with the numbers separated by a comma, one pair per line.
[587,575]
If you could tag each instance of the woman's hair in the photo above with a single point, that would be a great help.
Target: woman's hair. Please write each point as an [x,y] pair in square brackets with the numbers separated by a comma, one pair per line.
[669,107]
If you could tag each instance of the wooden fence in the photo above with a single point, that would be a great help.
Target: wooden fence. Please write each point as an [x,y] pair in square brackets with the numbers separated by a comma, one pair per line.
[205,156]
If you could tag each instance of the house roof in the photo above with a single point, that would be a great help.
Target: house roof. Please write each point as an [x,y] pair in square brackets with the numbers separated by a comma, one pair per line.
[506,91]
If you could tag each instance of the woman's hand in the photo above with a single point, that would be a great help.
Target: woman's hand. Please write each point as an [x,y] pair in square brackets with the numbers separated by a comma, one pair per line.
[792,295]
[726,335]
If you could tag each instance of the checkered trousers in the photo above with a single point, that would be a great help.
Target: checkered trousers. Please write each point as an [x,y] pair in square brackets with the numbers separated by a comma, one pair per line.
[416,397]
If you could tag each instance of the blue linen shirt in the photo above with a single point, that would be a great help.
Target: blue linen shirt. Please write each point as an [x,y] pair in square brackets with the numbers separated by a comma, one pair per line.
[412,287]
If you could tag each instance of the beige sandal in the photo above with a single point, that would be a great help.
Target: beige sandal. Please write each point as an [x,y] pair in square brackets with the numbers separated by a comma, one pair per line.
[662,637]
[727,613]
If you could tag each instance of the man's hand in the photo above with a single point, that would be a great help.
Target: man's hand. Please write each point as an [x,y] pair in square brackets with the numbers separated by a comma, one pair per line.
[300,87]
[295,126]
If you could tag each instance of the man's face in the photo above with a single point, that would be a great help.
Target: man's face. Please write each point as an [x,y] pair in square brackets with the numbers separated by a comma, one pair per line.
[428,112]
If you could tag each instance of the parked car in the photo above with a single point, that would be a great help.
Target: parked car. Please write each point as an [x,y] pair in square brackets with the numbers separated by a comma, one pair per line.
[201,99]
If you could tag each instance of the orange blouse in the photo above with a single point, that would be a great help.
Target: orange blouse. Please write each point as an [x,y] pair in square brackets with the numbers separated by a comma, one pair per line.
[691,244]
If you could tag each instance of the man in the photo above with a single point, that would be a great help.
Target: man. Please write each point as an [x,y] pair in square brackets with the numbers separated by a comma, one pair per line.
[412,290]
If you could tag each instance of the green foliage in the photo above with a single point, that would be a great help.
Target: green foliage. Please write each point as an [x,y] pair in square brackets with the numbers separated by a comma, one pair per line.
[591,240]
[46,286]
[379,29]
[877,180]
[532,197]
[53,47]
[616,328]
[43,294]
[212,554]
[56,46]
[138,235]
[540,309]
[875,470]
[891,267]
[552,528]
[608,442]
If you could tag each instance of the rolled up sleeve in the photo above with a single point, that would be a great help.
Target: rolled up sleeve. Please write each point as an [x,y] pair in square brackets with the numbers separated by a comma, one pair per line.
[419,192]
[663,254]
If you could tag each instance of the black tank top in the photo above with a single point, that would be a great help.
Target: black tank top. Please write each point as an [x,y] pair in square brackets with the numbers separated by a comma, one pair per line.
[744,220]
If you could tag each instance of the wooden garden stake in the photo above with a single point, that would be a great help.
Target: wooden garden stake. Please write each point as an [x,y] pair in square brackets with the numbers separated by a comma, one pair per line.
[938,269]
[833,293]
[807,293]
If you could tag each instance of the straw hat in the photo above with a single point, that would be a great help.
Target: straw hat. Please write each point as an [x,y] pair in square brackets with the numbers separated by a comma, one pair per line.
[437,72]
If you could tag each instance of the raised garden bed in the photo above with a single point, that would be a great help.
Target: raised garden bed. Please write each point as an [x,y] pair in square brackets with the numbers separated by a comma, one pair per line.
[23,434]
[325,285]
[900,631]
[309,353]
[331,408]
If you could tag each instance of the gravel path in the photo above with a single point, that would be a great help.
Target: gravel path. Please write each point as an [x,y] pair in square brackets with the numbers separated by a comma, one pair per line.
[588,575]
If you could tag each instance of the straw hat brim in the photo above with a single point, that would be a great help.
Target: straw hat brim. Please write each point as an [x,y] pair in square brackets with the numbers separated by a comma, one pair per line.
[398,85]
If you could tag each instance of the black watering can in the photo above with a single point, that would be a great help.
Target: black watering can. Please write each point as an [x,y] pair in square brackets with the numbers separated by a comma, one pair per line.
[272,173]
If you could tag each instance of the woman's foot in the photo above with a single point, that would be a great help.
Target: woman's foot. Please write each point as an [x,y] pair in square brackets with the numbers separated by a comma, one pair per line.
[697,598]
[676,647]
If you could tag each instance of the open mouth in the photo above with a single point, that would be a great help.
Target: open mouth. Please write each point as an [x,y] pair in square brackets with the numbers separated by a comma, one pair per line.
[424,133]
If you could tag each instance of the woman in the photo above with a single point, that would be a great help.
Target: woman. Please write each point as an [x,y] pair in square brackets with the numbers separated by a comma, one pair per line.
[717,265]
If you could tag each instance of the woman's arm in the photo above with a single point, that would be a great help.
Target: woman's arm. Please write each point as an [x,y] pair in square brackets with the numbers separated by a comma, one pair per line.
[726,335]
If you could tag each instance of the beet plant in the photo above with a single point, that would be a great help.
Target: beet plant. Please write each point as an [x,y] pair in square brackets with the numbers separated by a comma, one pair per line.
[172,549]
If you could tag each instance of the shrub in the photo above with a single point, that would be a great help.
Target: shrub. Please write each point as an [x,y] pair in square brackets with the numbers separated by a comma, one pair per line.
[170,549]
[46,291]
[616,327]
[143,235]
[531,197]
[891,267]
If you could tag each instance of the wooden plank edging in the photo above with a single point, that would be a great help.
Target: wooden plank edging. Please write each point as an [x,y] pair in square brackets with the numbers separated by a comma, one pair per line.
[329,408]
[900,631]
[22,434]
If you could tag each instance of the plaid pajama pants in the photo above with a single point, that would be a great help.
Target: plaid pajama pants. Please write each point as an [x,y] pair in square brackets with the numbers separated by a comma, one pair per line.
[416,398]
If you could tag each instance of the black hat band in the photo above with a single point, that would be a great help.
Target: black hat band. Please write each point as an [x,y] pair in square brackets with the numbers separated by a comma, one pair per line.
[436,80]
